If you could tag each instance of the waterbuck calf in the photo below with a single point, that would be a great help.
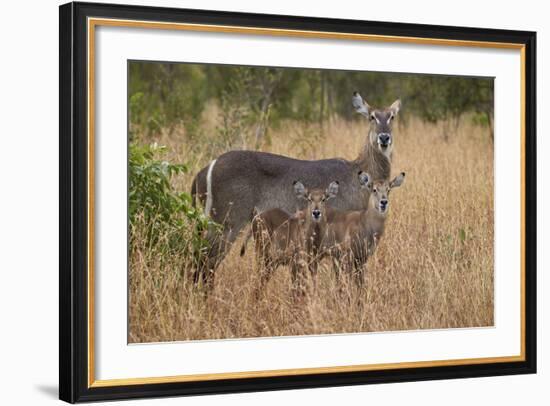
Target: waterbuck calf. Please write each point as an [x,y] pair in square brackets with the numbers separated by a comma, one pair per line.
[350,237]
[237,182]
[282,238]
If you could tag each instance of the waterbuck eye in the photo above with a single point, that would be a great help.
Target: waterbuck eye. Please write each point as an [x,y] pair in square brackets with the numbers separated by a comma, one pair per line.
[372,118]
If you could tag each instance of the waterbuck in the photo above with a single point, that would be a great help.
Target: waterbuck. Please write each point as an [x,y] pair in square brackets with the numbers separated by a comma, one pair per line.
[282,238]
[350,237]
[237,182]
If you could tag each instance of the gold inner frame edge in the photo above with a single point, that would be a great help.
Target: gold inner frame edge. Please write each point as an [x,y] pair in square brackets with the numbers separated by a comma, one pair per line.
[93,22]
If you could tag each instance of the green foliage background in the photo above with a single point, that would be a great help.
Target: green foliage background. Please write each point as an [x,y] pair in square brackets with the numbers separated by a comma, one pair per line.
[169,94]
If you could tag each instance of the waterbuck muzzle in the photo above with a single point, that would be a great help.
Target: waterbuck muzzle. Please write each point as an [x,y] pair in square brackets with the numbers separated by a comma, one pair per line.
[384,140]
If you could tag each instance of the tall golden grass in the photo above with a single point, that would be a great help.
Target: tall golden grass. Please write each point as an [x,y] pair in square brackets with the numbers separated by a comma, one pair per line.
[433,268]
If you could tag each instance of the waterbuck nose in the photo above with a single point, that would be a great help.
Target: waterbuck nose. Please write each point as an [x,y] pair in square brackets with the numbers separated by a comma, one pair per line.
[383,203]
[316,213]
[384,138]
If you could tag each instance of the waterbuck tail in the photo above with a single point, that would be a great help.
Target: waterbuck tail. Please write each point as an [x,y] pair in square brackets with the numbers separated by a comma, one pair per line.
[209,195]
[255,213]
[245,242]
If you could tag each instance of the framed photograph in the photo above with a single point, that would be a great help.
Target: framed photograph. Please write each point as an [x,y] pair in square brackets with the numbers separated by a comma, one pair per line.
[226,220]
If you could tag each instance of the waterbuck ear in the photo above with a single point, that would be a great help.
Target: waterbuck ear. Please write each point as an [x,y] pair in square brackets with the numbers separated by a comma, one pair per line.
[398,180]
[395,107]
[359,105]
[364,179]
[332,190]
[300,190]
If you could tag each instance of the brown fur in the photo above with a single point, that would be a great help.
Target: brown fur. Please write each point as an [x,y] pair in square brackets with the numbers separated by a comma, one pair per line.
[351,237]
[290,239]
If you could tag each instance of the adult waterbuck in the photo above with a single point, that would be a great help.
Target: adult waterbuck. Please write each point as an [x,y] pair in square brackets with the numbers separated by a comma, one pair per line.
[235,184]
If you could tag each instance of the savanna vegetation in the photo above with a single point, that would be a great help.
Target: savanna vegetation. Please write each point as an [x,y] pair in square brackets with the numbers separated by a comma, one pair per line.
[434,265]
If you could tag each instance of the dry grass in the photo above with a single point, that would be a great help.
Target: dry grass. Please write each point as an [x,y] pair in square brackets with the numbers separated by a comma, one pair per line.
[433,268]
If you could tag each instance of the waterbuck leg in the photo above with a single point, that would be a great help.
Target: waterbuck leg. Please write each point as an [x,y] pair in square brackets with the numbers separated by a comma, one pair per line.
[219,241]
[340,265]
[298,268]
[297,288]
[358,273]
[313,267]
[265,276]
[218,245]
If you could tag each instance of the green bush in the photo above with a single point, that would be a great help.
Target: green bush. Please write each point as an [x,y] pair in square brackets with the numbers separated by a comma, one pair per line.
[165,95]
[165,217]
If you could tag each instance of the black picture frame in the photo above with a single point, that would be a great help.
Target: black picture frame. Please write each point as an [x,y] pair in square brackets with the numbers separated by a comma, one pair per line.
[73,255]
